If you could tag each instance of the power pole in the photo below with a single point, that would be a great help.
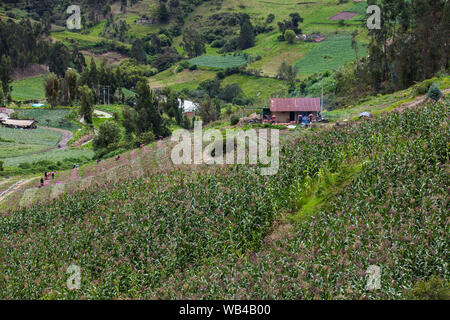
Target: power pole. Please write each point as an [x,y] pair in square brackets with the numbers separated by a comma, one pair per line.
[321,100]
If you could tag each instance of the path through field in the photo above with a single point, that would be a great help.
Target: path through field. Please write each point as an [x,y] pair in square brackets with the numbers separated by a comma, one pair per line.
[66,136]
[13,188]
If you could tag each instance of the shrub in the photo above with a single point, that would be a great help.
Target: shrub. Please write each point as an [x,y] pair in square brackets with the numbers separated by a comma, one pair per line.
[289,35]
[147,137]
[234,120]
[433,289]
[109,133]
[434,92]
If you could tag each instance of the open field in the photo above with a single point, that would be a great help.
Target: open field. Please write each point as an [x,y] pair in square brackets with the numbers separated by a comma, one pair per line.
[55,155]
[29,89]
[329,55]
[25,142]
[185,79]
[258,88]
[220,62]
[55,118]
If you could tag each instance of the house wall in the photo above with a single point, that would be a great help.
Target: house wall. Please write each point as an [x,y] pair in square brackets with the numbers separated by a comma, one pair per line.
[284,117]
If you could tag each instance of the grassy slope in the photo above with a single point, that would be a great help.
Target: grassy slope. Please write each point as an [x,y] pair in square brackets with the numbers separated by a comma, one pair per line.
[29,89]
[174,247]
[25,142]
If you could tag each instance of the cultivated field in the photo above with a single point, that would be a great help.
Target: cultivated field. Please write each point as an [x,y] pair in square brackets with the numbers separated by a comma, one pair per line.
[220,62]
[329,55]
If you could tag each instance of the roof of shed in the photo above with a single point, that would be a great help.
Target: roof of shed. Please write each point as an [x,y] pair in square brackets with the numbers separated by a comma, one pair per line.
[295,104]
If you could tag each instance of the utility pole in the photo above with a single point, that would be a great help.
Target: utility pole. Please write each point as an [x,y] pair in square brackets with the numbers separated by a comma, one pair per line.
[321,101]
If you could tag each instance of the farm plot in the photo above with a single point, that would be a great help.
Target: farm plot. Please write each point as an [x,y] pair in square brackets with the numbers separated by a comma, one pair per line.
[55,155]
[23,142]
[330,55]
[55,118]
[345,15]
[220,62]
[28,89]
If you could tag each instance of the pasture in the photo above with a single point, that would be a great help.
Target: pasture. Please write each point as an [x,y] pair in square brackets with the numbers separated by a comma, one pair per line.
[26,142]
[330,55]
[219,62]
[54,156]
[29,89]
[55,118]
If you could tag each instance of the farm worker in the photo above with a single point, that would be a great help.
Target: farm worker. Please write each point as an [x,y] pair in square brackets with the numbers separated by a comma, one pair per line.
[53,175]
[98,160]
[74,166]
[46,175]
[310,117]
[42,182]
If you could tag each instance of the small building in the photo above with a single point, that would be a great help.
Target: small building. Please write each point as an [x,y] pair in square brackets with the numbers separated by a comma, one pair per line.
[287,110]
[19,124]
[189,107]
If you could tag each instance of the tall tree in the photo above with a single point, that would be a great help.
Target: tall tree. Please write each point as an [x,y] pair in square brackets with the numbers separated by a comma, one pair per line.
[71,84]
[247,35]
[59,59]
[87,103]
[193,43]
[52,89]
[138,51]
[149,117]
[5,75]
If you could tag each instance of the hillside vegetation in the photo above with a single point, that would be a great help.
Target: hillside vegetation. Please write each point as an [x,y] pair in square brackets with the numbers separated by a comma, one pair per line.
[211,233]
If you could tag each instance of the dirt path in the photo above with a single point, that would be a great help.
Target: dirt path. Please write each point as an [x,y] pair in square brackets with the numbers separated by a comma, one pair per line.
[416,102]
[66,136]
[14,188]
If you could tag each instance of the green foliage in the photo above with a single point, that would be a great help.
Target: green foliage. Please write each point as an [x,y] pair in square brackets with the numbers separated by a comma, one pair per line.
[52,89]
[289,35]
[55,118]
[147,137]
[434,92]
[329,55]
[220,62]
[193,43]
[434,288]
[109,133]
[234,120]
[392,213]
[87,103]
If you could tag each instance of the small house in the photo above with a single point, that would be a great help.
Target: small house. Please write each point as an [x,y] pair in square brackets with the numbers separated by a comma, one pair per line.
[287,110]
[189,107]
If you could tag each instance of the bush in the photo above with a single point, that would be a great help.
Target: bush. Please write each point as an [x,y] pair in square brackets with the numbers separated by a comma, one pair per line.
[422,88]
[234,120]
[289,35]
[433,289]
[434,92]
[109,133]
[147,137]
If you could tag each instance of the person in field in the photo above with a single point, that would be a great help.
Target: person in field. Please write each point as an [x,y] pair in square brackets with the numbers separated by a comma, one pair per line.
[42,182]
[53,175]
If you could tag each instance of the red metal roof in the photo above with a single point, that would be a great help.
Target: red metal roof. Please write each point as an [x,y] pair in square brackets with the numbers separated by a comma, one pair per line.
[295,104]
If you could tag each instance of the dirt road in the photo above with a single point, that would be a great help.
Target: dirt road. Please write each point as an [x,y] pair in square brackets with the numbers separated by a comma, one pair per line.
[66,136]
